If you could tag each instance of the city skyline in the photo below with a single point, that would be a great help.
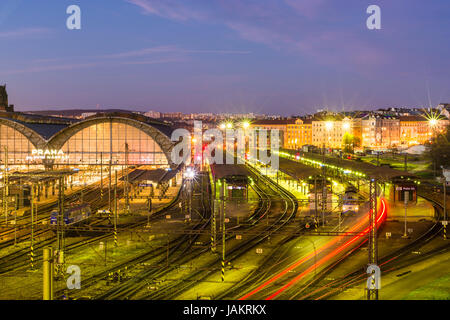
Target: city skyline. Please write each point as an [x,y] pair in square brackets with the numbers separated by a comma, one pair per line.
[227,56]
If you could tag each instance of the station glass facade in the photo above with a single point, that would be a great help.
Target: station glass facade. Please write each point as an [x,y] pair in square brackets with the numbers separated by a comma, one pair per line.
[19,147]
[107,141]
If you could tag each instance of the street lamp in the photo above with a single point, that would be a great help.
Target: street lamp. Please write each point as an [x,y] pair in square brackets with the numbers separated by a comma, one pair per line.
[189,175]
[346,126]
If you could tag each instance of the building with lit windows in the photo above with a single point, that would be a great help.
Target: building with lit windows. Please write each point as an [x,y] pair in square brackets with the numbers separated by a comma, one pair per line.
[414,130]
[299,133]
[280,125]
[379,132]
[329,132]
[294,132]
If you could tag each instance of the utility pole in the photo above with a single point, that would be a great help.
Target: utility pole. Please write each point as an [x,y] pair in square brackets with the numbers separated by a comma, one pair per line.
[222,187]
[149,209]
[406,161]
[48,270]
[32,228]
[445,208]
[191,190]
[5,186]
[315,202]
[115,210]
[127,197]
[110,182]
[213,222]
[324,200]
[406,195]
[324,187]
[60,227]
[372,293]
[444,183]
[15,227]
[101,175]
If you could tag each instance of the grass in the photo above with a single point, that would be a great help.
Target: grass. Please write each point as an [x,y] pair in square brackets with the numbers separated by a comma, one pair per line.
[416,164]
[436,290]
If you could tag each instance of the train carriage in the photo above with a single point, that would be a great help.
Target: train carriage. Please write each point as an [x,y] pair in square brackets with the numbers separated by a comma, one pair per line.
[72,215]
[350,200]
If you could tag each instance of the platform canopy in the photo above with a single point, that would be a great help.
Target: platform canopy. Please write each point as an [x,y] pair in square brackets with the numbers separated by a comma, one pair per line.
[39,175]
[298,170]
[382,173]
[229,171]
[156,176]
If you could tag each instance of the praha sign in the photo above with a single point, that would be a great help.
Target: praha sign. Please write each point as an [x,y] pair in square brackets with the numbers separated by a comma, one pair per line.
[47,154]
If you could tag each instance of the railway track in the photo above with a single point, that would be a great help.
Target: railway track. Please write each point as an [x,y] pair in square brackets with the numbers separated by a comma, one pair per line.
[315,291]
[176,252]
[21,257]
[175,249]
[42,218]
[178,287]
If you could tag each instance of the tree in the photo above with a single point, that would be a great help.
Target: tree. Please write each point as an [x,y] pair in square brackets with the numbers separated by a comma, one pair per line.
[348,142]
[439,149]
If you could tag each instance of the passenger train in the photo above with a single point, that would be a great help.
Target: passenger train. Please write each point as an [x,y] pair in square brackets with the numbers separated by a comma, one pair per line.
[72,215]
[350,200]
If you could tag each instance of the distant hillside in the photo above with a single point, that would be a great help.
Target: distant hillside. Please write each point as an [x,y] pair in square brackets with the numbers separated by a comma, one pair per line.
[75,112]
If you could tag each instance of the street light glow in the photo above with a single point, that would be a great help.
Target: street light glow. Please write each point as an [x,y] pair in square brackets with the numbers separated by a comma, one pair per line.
[245,124]
[433,122]
[329,125]
[189,173]
[346,126]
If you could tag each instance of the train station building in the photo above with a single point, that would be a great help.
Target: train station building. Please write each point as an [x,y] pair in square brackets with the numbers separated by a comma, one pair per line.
[38,142]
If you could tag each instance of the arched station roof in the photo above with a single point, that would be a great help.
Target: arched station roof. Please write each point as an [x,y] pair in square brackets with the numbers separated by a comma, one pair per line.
[51,132]
[152,129]
[32,135]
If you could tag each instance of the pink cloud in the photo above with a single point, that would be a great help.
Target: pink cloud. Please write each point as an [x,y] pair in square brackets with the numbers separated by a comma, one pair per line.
[306,8]
[264,23]
[73,66]
[24,32]
[174,50]
[168,9]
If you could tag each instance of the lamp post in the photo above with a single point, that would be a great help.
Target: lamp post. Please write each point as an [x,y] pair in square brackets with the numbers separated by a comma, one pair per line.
[189,175]
[405,234]
[444,182]
[433,123]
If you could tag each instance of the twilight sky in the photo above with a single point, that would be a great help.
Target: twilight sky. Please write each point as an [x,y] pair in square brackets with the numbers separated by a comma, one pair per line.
[265,56]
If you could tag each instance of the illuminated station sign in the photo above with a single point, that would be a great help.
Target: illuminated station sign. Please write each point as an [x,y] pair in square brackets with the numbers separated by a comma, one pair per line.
[47,154]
